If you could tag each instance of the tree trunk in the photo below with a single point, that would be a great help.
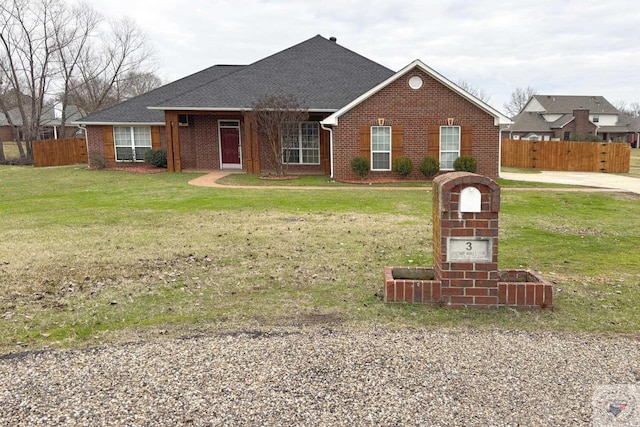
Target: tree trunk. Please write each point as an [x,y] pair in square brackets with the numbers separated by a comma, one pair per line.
[16,134]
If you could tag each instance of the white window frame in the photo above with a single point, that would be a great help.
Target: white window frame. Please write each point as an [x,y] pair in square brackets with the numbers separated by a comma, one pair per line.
[299,145]
[131,143]
[456,151]
[379,151]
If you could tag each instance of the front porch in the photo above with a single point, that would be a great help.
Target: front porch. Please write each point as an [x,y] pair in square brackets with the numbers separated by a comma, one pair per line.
[231,141]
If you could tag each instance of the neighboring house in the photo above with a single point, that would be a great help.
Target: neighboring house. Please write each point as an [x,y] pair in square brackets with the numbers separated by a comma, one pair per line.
[356,108]
[634,128]
[49,123]
[559,117]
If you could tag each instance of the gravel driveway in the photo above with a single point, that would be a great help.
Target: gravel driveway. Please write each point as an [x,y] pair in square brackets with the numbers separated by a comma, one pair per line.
[319,376]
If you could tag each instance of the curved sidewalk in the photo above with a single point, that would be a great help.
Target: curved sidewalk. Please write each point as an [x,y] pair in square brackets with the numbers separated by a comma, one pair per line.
[600,181]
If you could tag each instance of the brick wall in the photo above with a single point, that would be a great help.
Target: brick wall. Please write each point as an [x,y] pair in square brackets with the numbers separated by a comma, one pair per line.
[199,145]
[6,133]
[95,146]
[465,284]
[101,148]
[468,277]
[415,111]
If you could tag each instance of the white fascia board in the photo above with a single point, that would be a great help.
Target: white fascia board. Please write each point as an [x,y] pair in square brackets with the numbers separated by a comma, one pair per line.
[499,118]
[195,109]
[315,110]
[80,122]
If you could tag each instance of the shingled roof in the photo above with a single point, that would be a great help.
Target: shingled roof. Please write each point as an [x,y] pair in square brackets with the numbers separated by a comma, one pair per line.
[135,109]
[565,104]
[529,122]
[322,75]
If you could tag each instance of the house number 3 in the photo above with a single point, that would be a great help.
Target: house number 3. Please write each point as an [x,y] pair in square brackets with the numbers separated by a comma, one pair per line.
[469,246]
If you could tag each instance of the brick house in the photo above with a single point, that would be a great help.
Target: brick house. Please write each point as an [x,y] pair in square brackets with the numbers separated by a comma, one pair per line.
[50,122]
[567,117]
[356,108]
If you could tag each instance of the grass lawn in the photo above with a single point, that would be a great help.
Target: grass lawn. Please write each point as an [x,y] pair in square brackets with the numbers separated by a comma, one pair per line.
[89,257]
[247,179]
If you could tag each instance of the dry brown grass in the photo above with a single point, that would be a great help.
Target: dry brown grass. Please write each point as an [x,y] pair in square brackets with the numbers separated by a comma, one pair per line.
[11,149]
[89,257]
[634,167]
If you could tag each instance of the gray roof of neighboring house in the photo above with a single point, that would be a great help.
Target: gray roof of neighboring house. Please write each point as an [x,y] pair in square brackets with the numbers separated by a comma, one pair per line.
[322,75]
[529,122]
[565,104]
[48,117]
[561,122]
[135,109]
[634,124]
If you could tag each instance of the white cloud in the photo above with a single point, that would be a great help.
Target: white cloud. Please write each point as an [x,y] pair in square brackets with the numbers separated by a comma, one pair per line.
[555,46]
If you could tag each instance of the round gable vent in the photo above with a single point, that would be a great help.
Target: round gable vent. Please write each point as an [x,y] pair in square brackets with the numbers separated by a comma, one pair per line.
[415,82]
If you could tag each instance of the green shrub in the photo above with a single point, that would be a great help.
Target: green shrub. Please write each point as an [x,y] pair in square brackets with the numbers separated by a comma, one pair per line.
[157,158]
[96,161]
[429,167]
[361,166]
[465,164]
[403,166]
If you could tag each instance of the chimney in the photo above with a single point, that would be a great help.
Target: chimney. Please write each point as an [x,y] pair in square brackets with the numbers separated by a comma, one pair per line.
[581,124]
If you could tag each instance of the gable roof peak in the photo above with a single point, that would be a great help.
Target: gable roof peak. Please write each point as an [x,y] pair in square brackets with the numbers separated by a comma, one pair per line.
[499,118]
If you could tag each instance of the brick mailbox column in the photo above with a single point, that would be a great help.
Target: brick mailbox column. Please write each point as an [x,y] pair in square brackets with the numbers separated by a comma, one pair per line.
[465,239]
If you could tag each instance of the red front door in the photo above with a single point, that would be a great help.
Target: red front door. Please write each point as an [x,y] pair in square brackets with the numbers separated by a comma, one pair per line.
[230,146]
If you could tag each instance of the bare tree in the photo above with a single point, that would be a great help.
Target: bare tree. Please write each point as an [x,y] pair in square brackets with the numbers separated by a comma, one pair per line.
[74,41]
[277,116]
[136,83]
[517,101]
[46,44]
[473,90]
[632,109]
[27,49]
[105,70]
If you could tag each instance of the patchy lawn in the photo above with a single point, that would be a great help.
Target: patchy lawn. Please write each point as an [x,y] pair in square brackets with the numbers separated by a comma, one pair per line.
[96,256]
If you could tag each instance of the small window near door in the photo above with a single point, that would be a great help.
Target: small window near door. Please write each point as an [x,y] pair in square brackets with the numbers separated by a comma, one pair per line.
[567,136]
[185,119]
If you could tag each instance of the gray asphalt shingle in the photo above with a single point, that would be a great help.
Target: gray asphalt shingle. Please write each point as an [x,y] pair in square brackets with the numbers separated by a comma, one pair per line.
[322,75]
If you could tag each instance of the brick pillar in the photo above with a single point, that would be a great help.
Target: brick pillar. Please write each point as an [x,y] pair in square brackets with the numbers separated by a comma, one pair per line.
[465,239]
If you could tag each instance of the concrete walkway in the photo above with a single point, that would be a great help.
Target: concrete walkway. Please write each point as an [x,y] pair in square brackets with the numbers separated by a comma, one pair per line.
[586,179]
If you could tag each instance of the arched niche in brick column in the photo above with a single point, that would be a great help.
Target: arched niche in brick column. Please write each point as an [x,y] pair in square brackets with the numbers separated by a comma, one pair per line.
[465,239]
[465,254]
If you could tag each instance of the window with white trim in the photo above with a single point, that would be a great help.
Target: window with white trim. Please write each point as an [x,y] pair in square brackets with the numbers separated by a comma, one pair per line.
[381,148]
[131,142]
[301,143]
[449,146]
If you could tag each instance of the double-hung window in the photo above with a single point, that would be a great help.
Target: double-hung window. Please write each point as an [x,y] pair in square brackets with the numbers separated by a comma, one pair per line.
[131,142]
[449,146]
[381,148]
[301,143]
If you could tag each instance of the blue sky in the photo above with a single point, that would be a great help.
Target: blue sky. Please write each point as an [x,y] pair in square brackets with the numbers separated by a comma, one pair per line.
[561,47]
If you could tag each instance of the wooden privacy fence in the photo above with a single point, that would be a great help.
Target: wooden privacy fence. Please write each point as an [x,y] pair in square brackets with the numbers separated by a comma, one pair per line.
[59,152]
[567,155]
